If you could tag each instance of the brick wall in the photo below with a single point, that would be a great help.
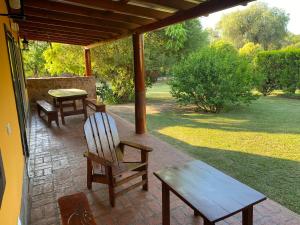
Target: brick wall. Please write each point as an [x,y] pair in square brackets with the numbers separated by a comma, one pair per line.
[38,88]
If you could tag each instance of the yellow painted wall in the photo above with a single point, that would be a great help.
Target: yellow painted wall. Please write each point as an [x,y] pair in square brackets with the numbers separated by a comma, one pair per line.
[10,145]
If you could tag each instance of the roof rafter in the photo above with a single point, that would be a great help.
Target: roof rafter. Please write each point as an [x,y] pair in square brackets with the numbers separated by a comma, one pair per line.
[120,7]
[76,19]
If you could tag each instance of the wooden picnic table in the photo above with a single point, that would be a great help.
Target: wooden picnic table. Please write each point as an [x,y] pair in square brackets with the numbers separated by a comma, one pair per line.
[209,192]
[64,95]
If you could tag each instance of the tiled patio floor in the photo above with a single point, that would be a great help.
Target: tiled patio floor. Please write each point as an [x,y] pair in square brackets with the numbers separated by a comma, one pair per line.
[58,168]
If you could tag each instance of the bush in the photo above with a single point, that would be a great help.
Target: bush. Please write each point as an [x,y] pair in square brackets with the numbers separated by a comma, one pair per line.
[212,78]
[279,69]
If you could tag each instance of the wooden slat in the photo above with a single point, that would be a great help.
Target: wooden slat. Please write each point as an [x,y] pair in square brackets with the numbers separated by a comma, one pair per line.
[175,4]
[77,19]
[56,40]
[200,10]
[74,30]
[63,36]
[125,180]
[74,25]
[82,11]
[120,7]
[42,31]
[130,188]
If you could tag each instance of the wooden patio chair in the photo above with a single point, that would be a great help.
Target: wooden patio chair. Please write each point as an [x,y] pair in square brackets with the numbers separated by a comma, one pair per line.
[105,154]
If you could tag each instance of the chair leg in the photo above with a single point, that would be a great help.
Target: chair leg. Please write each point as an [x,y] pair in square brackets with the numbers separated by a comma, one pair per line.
[111,195]
[56,121]
[89,174]
[144,158]
[111,187]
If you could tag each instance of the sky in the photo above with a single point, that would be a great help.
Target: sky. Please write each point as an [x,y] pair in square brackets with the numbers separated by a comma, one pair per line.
[292,7]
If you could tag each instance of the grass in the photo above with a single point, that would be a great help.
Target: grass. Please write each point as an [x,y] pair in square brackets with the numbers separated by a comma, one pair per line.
[259,144]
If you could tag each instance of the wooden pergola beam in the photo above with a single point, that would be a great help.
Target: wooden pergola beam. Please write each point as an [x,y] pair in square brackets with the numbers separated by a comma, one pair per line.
[139,83]
[32,25]
[57,40]
[77,19]
[87,12]
[175,4]
[121,8]
[114,31]
[199,10]
[37,30]
[56,34]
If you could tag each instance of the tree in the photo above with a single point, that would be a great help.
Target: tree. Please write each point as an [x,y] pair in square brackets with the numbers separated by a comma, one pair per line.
[113,62]
[258,24]
[34,60]
[250,50]
[211,78]
[63,58]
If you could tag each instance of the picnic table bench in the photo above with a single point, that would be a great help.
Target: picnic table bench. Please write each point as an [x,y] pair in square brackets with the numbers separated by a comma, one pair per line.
[209,192]
[49,110]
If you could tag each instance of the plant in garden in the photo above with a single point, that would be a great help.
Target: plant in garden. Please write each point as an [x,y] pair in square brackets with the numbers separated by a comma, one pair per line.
[212,78]
[278,69]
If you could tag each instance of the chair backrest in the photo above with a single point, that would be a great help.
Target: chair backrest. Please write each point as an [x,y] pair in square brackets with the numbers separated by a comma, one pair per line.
[102,136]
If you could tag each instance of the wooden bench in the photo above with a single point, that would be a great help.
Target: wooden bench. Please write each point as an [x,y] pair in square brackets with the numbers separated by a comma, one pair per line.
[210,193]
[49,110]
[95,105]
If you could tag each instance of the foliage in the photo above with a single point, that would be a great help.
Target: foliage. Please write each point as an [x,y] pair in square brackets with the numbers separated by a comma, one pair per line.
[34,60]
[250,50]
[212,78]
[62,58]
[279,69]
[258,24]
[113,62]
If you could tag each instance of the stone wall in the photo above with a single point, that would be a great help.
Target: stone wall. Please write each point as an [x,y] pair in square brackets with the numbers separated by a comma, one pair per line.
[38,88]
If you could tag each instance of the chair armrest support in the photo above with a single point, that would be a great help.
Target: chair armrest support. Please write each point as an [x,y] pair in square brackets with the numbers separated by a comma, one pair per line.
[97,159]
[136,146]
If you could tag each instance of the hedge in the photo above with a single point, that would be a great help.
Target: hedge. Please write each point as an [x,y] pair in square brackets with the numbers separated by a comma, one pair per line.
[278,69]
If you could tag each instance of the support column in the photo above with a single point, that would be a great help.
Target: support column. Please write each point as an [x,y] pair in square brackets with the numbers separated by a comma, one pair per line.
[88,66]
[139,82]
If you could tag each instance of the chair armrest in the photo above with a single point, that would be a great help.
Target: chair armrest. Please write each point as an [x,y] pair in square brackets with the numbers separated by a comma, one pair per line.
[97,159]
[136,146]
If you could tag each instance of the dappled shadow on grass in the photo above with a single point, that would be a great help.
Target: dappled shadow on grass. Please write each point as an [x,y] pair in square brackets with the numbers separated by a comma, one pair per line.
[264,116]
[278,178]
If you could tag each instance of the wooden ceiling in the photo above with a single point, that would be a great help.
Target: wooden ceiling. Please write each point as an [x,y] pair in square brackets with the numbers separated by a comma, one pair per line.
[88,22]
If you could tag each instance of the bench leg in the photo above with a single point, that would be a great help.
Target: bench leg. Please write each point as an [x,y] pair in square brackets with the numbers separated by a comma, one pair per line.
[248,216]
[61,109]
[165,205]
[56,121]
[39,111]
[196,213]
[206,222]
[49,121]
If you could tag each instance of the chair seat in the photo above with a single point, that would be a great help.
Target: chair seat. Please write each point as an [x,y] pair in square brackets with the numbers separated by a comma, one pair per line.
[118,168]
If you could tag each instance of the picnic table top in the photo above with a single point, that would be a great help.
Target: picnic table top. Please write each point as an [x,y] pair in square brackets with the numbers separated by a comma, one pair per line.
[64,93]
[214,194]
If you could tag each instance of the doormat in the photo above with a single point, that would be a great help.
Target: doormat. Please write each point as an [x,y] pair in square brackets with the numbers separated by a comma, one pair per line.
[75,210]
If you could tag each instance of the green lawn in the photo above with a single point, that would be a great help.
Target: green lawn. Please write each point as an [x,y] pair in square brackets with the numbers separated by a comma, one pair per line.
[259,144]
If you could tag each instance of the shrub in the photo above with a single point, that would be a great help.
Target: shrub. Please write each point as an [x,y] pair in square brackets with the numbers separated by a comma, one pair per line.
[278,69]
[212,78]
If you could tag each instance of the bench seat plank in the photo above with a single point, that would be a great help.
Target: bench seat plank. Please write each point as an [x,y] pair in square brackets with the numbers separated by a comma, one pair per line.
[207,190]
[49,110]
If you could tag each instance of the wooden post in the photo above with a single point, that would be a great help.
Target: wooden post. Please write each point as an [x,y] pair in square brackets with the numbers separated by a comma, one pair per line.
[88,66]
[139,82]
